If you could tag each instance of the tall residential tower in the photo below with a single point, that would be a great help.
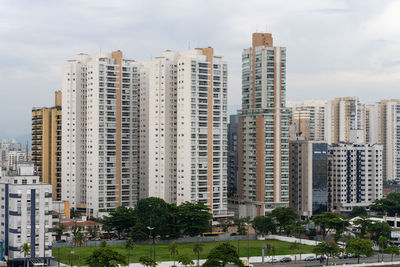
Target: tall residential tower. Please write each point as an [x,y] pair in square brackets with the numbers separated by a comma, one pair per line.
[263,127]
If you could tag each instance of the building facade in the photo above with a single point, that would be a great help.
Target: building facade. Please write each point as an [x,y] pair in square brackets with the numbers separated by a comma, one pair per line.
[263,174]
[309,176]
[25,215]
[46,145]
[233,155]
[357,175]
[100,119]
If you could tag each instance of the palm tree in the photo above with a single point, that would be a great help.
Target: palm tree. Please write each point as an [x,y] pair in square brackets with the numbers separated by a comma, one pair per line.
[129,246]
[197,249]
[173,249]
[79,239]
[296,246]
[26,249]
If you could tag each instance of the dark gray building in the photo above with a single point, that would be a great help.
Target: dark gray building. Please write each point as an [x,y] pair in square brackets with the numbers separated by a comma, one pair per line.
[308,177]
[233,155]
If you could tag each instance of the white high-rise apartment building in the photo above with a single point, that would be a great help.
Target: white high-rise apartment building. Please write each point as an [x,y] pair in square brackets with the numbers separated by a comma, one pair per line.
[311,119]
[25,215]
[183,126]
[100,119]
[384,128]
[263,172]
[152,129]
[347,120]
[357,175]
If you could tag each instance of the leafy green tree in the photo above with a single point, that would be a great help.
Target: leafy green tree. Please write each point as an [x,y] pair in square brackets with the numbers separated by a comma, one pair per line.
[326,221]
[392,250]
[173,249]
[358,212]
[129,246]
[359,247]
[382,244]
[240,223]
[389,205]
[79,239]
[26,250]
[222,255]
[362,225]
[105,257]
[328,249]
[76,229]
[139,232]
[103,244]
[225,224]
[185,260]
[197,249]
[284,216]
[120,219]
[311,233]
[264,225]
[377,229]
[194,218]
[147,261]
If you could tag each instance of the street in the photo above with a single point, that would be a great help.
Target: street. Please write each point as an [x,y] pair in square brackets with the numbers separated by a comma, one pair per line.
[387,258]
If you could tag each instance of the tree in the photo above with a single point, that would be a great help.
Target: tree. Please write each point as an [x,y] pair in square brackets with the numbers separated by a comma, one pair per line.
[103,244]
[240,223]
[173,249]
[129,246]
[197,249]
[284,216]
[392,250]
[328,249]
[93,231]
[221,255]
[185,260]
[326,221]
[79,239]
[359,246]
[26,250]
[120,219]
[105,257]
[59,230]
[194,218]
[147,261]
[296,246]
[382,244]
[358,212]
[264,225]
[377,229]
[389,205]
[225,224]
[363,223]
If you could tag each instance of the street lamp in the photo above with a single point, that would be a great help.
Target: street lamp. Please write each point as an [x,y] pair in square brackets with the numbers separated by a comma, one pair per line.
[248,243]
[70,258]
[151,252]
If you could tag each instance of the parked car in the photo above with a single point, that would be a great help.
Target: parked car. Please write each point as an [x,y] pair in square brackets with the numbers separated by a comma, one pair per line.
[286,259]
[310,258]
[343,256]
[272,260]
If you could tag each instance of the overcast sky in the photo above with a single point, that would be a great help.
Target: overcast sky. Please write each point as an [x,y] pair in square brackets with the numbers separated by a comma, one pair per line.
[334,48]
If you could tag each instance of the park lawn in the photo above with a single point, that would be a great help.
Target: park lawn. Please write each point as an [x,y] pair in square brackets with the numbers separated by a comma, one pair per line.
[162,253]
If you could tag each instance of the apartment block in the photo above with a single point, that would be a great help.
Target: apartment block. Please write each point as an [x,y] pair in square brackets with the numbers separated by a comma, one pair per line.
[183,128]
[263,171]
[100,129]
[25,216]
[46,144]
[233,154]
[311,119]
[357,175]
[309,177]
[347,120]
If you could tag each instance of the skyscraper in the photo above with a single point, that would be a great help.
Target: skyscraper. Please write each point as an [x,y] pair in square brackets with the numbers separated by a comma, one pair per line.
[183,126]
[263,127]
[100,129]
[233,154]
[46,145]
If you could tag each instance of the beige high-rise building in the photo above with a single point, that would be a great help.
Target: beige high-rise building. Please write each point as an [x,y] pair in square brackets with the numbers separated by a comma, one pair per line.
[263,174]
[46,145]
[348,120]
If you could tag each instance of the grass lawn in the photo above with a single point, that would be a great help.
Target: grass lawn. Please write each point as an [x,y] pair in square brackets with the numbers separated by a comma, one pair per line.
[162,253]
